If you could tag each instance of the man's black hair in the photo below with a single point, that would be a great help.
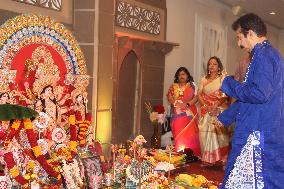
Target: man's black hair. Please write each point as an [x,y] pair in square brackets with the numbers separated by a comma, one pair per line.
[250,22]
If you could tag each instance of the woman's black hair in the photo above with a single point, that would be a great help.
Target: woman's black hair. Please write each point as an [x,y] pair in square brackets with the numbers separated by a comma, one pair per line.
[220,65]
[43,101]
[1,94]
[46,87]
[83,100]
[189,77]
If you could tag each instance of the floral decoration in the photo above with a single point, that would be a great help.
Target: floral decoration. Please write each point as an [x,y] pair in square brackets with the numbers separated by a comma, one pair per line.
[157,181]
[156,114]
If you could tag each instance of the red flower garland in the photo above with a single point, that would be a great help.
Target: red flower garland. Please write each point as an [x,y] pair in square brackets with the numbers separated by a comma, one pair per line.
[8,157]
[73,134]
[37,150]
[14,130]
[99,150]
[11,165]
[83,128]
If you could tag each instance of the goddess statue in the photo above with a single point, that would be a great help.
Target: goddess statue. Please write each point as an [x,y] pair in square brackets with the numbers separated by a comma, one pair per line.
[79,107]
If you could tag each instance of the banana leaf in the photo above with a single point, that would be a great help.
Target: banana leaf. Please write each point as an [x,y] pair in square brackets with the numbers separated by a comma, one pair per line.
[13,111]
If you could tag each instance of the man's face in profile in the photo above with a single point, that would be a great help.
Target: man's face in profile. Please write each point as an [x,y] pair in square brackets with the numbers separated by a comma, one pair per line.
[243,41]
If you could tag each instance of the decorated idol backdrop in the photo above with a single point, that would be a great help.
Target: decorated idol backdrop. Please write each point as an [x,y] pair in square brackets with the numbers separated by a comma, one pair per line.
[43,68]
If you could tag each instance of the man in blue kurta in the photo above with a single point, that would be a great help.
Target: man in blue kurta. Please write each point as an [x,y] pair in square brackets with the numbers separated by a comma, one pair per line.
[257,156]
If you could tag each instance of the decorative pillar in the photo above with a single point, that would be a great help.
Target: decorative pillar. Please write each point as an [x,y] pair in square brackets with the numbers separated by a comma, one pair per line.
[105,69]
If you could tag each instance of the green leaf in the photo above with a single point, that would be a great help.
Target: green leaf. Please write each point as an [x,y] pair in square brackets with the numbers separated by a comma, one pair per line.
[13,111]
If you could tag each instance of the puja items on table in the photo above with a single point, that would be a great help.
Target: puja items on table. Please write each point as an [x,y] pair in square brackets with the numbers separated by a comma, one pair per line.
[164,156]
[194,181]
[133,167]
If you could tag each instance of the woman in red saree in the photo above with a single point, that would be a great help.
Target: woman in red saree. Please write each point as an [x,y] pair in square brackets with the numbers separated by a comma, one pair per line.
[181,96]
[213,139]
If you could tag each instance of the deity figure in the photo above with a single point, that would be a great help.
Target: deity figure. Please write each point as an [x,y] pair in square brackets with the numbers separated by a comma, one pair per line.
[79,107]
[4,98]
[6,95]
[49,104]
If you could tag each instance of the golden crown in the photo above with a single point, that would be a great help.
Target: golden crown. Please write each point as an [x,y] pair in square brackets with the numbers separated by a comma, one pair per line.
[81,83]
[47,73]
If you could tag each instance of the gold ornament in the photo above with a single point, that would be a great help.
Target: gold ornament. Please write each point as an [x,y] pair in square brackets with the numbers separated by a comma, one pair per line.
[47,73]
[26,21]
[6,77]
[81,83]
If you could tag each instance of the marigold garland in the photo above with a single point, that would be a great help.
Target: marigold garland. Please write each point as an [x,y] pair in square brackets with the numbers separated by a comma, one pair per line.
[14,171]
[28,124]
[73,134]
[73,146]
[30,23]
[83,127]
[72,119]
[37,149]
[8,157]
[14,130]
[99,150]
[16,124]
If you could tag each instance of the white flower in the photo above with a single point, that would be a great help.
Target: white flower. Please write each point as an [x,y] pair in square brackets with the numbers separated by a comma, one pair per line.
[164,166]
[161,118]
[140,140]
[71,173]
[153,116]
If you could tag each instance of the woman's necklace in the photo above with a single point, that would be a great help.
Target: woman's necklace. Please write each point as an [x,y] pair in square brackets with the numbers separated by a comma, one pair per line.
[213,77]
[181,90]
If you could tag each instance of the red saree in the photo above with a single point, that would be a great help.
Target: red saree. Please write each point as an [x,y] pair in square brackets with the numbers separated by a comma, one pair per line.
[185,121]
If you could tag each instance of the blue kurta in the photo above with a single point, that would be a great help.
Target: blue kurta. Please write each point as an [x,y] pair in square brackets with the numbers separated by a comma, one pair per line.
[257,156]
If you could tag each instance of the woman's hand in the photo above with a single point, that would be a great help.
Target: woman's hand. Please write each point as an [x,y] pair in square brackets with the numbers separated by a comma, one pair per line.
[217,123]
[213,110]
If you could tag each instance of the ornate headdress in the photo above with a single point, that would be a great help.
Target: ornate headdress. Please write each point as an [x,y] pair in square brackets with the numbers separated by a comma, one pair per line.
[47,73]
[43,82]
[6,77]
[81,82]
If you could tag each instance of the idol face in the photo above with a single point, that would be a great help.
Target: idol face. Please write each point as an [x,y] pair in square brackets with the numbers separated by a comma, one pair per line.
[48,91]
[4,98]
[79,98]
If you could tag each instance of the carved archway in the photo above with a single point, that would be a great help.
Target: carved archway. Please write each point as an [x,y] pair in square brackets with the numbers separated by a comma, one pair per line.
[128,98]
[151,57]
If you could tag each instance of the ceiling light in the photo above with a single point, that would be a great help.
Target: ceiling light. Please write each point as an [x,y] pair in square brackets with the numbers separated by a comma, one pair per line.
[272,13]
[236,10]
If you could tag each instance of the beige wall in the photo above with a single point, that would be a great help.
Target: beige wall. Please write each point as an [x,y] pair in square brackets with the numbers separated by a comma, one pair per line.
[65,15]
[281,42]
[181,29]
[273,35]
